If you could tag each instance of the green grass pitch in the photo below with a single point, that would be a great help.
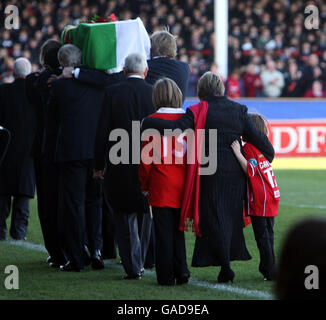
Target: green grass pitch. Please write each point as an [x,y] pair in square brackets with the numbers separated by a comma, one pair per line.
[302,195]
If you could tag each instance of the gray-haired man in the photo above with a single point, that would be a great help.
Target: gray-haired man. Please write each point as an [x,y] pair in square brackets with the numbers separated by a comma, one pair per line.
[17,178]
[75,108]
[124,103]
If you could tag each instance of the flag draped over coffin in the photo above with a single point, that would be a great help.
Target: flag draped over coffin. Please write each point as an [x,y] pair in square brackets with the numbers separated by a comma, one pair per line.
[105,46]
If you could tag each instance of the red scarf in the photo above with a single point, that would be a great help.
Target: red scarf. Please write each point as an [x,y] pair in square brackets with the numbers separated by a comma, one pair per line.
[190,199]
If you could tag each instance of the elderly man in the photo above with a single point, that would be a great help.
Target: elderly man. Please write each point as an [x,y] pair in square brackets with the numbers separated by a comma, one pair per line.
[75,108]
[17,179]
[124,103]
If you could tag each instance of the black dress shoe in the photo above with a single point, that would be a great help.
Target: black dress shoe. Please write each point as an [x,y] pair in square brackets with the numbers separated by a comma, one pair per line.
[54,265]
[97,262]
[132,277]
[182,279]
[69,267]
[225,276]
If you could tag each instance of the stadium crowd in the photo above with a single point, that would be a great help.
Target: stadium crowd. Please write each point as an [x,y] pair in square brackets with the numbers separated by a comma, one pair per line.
[269,46]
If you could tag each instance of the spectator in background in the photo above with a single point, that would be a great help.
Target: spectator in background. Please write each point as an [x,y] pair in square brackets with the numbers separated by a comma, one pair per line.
[293,81]
[316,91]
[304,246]
[7,77]
[234,86]
[273,81]
[252,82]
[312,72]
[17,178]
[267,27]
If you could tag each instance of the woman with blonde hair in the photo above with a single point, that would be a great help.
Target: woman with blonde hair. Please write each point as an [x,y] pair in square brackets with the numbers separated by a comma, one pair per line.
[164,181]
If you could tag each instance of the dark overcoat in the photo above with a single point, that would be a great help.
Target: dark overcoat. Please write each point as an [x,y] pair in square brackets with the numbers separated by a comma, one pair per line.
[130,100]
[17,175]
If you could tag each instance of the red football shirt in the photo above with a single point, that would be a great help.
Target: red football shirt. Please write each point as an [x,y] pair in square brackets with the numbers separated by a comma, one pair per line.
[165,181]
[263,195]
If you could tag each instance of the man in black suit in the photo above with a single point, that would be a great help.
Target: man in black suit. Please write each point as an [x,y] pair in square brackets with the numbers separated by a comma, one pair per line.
[75,108]
[101,80]
[17,178]
[124,103]
[46,172]
[163,63]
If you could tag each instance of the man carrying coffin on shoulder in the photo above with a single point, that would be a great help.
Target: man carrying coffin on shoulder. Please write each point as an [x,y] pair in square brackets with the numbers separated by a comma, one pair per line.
[76,107]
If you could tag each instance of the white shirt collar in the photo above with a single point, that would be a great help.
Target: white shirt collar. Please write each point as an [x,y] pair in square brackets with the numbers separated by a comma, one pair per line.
[135,76]
[170,110]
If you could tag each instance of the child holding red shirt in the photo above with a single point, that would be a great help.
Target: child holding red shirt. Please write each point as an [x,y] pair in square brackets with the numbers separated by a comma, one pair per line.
[262,198]
[164,182]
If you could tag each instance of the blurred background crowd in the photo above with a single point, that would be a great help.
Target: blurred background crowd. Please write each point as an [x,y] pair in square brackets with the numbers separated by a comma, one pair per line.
[271,53]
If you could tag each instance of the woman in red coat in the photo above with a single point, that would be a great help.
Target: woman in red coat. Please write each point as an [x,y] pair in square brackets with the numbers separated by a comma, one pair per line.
[163,179]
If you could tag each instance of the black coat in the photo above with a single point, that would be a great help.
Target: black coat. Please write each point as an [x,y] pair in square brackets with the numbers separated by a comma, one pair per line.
[17,175]
[176,70]
[99,79]
[38,93]
[222,193]
[74,108]
[125,102]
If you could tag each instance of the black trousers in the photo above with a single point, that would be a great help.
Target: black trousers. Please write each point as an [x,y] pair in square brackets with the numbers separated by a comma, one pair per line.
[145,227]
[19,217]
[171,261]
[264,235]
[47,189]
[130,243]
[80,211]
[150,254]
[108,231]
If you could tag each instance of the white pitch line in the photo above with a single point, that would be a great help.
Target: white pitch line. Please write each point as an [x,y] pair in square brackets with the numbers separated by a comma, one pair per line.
[192,281]
[304,206]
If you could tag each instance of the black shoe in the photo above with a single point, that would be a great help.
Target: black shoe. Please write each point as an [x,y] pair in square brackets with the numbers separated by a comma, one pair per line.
[19,239]
[225,276]
[69,267]
[97,262]
[183,279]
[54,265]
[149,266]
[132,277]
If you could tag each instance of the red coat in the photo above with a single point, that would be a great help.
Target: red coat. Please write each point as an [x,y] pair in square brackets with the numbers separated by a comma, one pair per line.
[310,94]
[165,182]
[249,80]
[233,88]
[263,195]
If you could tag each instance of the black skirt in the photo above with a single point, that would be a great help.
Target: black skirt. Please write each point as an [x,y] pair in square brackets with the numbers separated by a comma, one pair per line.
[221,220]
